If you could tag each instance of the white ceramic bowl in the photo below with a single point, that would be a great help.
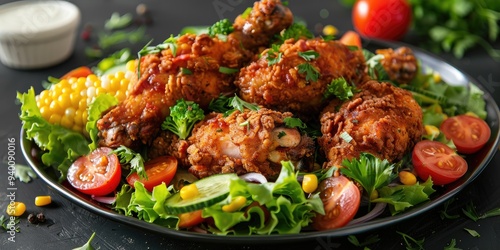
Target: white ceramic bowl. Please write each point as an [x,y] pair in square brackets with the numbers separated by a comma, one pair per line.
[37,34]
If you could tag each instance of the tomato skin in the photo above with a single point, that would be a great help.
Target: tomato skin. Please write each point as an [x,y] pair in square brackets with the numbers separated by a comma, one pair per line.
[468,133]
[437,160]
[82,71]
[191,219]
[351,38]
[341,199]
[101,167]
[383,19]
[158,170]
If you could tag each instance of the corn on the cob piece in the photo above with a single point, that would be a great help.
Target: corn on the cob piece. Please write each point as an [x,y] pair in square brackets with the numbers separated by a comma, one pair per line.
[66,102]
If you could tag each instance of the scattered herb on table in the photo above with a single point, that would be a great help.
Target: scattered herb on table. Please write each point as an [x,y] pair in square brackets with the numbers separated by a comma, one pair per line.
[470,211]
[88,245]
[444,213]
[371,239]
[452,245]
[24,173]
[411,243]
[472,232]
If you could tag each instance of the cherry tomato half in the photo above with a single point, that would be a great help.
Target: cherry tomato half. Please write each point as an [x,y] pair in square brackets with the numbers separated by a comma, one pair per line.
[468,133]
[341,198]
[436,159]
[383,19]
[96,174]
[158,170]
[191,219]
[351,38]
[82,71]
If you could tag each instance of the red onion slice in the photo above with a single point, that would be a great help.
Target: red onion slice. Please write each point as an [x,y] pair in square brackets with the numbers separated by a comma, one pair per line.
[104,199]
[376,211]
[254,177]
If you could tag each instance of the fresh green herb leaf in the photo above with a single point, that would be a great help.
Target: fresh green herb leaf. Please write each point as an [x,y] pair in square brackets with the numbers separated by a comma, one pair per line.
[118,22]
[222,27]
[240,105]
[24,173]
[169,43]
[371,172]
[88,245]
[339,88]
[6,223]
[246,13]
[183,116]
[470,211]
[312,74]
[186,71]
[472,232]
[295,31]
[120,57]
[114,38]
[371,239]
[444,213]
[309,55]
[135,160]
[226,70]
[273,55]
[292,122]
[376,70]
[329,38]
[411,243]
[452,245]
[49,82]
[281,134]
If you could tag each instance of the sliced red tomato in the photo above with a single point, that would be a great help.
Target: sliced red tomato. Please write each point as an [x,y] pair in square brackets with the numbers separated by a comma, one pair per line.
[468,133]
[96,174]
[191,219]
[383,19]
[82,71]
[341,199]
[351,38]
[158,170]
[437,160]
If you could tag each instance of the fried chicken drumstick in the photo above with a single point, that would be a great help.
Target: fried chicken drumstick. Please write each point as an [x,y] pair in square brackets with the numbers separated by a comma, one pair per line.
[189,69]
[381,119]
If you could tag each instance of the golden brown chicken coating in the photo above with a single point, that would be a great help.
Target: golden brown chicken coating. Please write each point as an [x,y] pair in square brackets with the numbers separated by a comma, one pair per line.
[381,119]
[243,142]
[189,69]
[284,86]
[400,64]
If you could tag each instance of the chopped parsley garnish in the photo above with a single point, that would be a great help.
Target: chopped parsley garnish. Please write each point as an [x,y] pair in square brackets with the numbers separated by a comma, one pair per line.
[472,232]
[228,105]
[309,55]
[312,74]
[339,88]
[291,122]
[371,239]
[376,70]
[186,71]
[273,55]
[281,134]
[295,31]
[470,211]
[170,43]
[222,27]
[228,71]
[346,136]
[410,242]
[135,160]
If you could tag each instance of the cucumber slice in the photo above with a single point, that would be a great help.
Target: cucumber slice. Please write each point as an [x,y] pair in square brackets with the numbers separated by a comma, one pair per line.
[211,190]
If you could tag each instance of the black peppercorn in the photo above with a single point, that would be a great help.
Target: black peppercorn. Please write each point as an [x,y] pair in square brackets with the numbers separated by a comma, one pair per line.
[40,217]
[32,219]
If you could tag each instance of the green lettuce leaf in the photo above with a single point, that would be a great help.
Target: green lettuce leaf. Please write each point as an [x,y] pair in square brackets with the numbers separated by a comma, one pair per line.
[402,197]
[60,146]
[100,104]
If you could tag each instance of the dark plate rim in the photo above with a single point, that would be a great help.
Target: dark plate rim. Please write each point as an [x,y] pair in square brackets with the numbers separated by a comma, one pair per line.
[480,160]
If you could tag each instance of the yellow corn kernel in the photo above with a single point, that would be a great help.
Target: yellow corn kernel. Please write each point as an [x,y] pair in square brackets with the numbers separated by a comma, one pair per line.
[236,204]
[470,113]
[431,130]
[436,77]
[309,183]
[189,191]
[131,65]
[330,30]
[407,178]
[43,200]
[16,208]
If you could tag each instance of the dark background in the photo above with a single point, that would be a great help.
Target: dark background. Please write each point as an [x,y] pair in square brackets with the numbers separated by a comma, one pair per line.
[70,226]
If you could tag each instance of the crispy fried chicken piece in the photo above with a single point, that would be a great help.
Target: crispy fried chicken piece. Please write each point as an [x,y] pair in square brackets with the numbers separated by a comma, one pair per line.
[168,143]
[401,64]
[163,80]
[252,141]
[382,119]
[282,86]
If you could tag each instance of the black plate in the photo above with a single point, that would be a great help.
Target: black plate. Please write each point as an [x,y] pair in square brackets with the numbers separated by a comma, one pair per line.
[477,163]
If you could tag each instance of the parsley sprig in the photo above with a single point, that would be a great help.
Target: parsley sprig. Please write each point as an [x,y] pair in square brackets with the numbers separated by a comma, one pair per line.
[340,89]
[273,55]
[227,105]
[169,43]
[470,211]
[312,74]
[133,159]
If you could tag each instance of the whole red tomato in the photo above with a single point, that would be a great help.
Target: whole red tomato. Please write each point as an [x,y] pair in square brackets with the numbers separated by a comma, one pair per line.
[383,19]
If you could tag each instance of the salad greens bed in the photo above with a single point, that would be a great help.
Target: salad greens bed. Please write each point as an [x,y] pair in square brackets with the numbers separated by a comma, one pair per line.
[290,209]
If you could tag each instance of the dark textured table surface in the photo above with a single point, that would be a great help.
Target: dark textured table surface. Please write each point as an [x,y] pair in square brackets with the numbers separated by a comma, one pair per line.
[68,225]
